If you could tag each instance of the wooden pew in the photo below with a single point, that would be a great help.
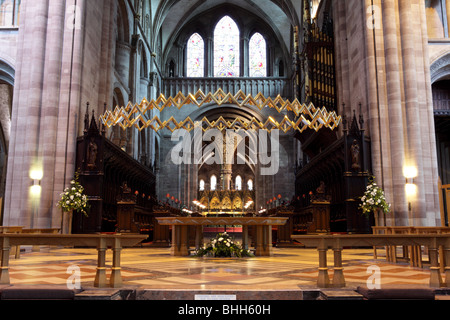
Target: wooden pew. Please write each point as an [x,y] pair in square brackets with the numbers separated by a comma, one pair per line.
[100,241]
[338,242]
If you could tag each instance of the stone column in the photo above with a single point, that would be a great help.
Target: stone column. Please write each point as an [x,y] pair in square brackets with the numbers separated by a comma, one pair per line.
[108,39]
[123,52]
[48,126]
[245,58]
[26,113]
[413,154]
[427,124]
[209,57]
[373,96]
[394,100]
[53,56]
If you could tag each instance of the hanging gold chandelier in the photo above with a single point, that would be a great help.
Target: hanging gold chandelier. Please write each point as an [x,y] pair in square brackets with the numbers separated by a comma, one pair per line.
[306,116]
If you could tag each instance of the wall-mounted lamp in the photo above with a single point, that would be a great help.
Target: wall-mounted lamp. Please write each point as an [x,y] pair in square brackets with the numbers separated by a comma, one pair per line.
[410,172]
[411,189]
[36,176]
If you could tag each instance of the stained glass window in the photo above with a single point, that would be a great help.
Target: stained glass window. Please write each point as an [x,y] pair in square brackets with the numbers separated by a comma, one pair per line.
[250,185]
[213,183]
[238,184]
[258,56]
[226,48]
[202,185]
[195,56]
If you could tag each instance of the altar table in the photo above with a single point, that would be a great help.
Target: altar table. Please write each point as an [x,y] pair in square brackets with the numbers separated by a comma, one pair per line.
[180,231]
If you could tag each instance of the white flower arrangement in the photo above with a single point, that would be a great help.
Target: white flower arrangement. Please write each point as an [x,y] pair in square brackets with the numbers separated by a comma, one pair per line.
[374,199]
[73,198]
[223,246]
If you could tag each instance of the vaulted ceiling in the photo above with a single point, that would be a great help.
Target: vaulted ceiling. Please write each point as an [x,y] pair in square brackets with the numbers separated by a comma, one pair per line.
[170,16]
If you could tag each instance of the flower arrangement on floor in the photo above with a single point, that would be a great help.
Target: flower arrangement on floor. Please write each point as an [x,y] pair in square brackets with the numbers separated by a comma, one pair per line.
[223,246]
[374,199]
[73,198]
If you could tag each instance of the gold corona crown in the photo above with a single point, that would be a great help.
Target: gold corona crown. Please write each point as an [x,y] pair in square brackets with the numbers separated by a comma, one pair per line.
[306,116]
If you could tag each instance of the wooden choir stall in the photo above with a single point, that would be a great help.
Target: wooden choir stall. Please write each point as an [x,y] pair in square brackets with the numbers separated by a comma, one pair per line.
[120,189]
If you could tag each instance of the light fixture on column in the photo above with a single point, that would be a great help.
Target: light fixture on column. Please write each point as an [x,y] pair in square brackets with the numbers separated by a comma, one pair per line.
[36,176]
[410,172]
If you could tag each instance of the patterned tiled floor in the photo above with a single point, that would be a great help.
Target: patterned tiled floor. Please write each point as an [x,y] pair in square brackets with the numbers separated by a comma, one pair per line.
[156,268]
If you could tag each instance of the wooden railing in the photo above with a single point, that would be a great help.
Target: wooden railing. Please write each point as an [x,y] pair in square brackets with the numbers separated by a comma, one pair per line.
[269,87]
[338,242]
[100,241]
[413,253]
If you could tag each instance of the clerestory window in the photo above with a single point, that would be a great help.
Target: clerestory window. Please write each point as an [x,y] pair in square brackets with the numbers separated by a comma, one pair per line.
[195,56]
[227,55]
[257,56]
[226,48]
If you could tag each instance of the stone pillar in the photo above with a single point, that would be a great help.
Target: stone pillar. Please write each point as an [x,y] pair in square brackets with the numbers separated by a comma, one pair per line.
[399,98]
[427,124]
[53,55]
[123,52]
[26,111]
[373,96]
[209,58]
[394,101]
[245,58]
[413,152]
[108,35]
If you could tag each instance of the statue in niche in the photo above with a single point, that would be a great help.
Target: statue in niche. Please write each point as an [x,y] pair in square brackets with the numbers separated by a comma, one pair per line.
[355,151]
[92,154]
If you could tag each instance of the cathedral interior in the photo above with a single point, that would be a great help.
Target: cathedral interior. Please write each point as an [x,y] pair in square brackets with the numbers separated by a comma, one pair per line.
[197,108]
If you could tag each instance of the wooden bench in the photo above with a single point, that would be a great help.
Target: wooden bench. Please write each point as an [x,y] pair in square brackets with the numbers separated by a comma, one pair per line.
[100,241]
[338,242]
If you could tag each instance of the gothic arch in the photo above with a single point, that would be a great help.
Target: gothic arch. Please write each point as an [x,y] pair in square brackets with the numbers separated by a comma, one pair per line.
[213,112]
[440,68]
[119,136]
[123,23]
[7,73]
[247,22]
[144,61]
